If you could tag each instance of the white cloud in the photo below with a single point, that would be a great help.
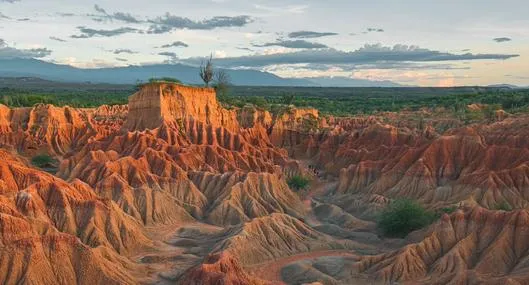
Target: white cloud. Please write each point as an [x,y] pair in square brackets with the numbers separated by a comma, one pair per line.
[94,63]
[220,54]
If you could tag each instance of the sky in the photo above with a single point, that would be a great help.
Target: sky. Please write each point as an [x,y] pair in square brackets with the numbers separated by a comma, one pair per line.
[411,42]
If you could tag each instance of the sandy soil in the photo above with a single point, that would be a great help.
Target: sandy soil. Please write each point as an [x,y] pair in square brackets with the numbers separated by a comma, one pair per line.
[271,270]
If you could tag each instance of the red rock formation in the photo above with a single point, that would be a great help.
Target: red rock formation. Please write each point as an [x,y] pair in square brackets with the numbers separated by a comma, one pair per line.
[235,198]
[156,104]
[220,269]
[55,232]
[478,164]
[55,130]
[260,240]
[476,247]
[183,129]
[175,156]
[272,237]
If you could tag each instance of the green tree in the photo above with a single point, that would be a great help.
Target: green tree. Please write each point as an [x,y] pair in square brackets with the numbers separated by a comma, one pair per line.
[404,216]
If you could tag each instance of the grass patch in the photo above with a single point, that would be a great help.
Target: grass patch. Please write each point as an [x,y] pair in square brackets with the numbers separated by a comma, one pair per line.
[42,160]
[298,182]
[404,216]
[45,162]
[447,210]
[503,206]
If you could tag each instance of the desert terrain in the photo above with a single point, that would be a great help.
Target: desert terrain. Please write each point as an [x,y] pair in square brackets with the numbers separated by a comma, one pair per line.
[174,188]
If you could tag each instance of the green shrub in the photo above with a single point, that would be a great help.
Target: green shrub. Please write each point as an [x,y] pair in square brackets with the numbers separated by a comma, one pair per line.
[164,79]
[298,182]
[503,206]
[404,216]
[448,210]
[42,160]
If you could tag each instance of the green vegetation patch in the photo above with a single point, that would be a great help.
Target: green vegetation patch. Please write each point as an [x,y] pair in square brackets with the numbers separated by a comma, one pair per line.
[329,101]
[298,182]
[503,206]
[43,161]
[403,216]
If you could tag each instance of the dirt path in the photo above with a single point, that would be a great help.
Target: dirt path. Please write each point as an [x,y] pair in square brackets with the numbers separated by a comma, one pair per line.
[161,263]
[271,270]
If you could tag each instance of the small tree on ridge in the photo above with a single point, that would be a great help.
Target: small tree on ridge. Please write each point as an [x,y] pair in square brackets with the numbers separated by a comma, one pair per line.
[206,70]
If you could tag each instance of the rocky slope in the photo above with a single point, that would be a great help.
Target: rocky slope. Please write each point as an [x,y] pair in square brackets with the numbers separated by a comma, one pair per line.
[56,130]
[475,165]
[474,247]
[47,223]
[175,189]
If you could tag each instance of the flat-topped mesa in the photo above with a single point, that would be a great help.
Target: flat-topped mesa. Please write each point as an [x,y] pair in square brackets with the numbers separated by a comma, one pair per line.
[159,103]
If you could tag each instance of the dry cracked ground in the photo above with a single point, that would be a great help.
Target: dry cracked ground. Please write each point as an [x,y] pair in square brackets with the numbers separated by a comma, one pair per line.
[175,189]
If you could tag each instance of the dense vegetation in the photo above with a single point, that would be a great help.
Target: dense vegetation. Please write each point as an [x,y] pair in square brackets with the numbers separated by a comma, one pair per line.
[348,101]
[75,96]
[404,216]
[298,182]
[42,161]
[333,101]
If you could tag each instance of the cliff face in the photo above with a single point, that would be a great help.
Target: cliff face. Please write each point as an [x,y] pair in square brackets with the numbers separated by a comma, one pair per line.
[56,130]
[170,131]
[173,104]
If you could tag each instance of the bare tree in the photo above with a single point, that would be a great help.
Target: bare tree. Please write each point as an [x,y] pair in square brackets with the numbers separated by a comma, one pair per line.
[206,70]
[222,81]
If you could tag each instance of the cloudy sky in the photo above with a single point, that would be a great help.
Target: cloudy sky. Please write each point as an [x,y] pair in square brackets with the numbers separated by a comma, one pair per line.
[416,42]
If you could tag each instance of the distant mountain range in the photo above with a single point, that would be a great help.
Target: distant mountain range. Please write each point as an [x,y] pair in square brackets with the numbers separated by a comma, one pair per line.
[185,73]
[506,86]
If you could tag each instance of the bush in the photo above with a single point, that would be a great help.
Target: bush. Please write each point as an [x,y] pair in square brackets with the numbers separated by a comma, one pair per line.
[447,210]
[402,217]
[503,206]
[298,182]
[42,160]
[164,80]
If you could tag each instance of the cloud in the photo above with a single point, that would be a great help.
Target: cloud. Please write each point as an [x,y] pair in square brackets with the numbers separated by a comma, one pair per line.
[377,30]
[309,34]
[125,17]
[89,33]
[118,16]
[175,44]
[10,52]
[388,65]
[57,39]
[120,51]
[171,56]
[278,10]
[170,22]
[65,14]
[9,1]
[94,63]
[244,48]
[100,10]
[501,40]
[516,76]
[2,16]
[368,54]
[295,44]
[121,59]
[23,19]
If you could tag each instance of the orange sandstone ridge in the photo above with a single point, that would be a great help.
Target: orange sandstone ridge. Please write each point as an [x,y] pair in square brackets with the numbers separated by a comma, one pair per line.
[174,189]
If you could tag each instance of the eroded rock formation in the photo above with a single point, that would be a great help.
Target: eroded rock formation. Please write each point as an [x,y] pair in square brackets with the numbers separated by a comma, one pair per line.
[174,188]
